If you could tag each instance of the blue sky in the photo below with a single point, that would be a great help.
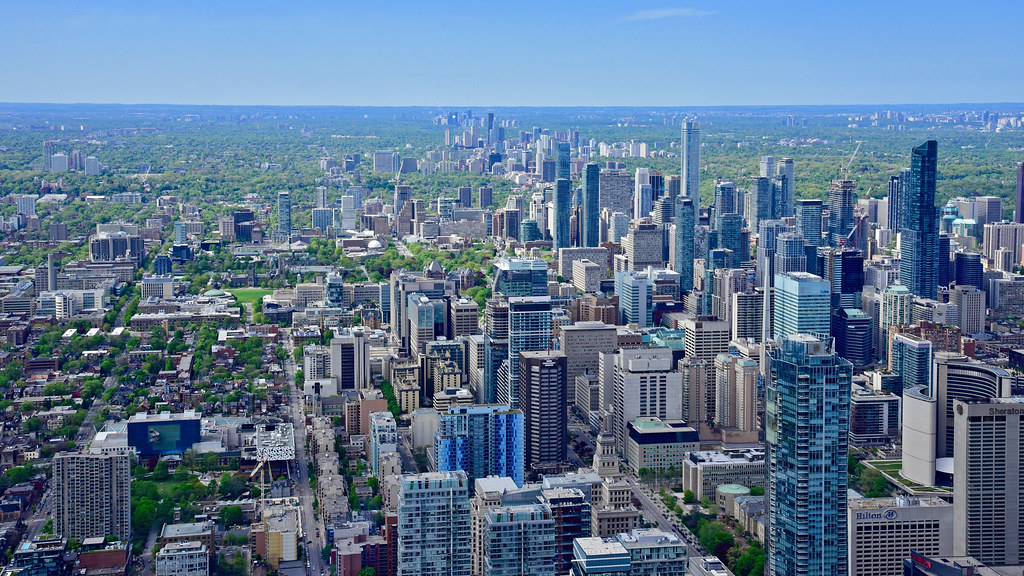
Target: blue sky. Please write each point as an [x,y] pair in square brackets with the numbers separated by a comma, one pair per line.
[575,53]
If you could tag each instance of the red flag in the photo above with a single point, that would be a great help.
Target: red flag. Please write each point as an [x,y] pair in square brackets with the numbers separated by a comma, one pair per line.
[918,559]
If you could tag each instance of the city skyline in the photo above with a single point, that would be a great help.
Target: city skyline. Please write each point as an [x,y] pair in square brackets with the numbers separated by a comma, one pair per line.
[322,54]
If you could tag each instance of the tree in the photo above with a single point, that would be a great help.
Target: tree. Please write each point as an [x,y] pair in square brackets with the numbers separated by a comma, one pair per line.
[757,491]
[33,424]
[368,571]
[689,497]
[232,486]
[160,472]
[231,515]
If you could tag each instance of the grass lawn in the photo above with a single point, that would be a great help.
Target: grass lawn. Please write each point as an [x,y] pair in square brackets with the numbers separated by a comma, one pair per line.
[243,295]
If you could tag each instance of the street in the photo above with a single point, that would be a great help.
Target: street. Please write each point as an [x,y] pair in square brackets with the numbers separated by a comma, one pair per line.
[309,524]
[663,518]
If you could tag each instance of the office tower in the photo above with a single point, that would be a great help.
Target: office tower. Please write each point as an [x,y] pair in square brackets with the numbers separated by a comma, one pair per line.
[582,343]
[919,227]
[636,292]
[521,276]
[967,269]
[433,525]
[840,203]
[805,496]
[463,318]
[803,304]
[642,246]
[643,198]
[956,377]
[988,480]
[1018,207]
[690,158]
[736,393]
[570,509]
[644,382]
[350,359]
[57,232]
[529,328]
[808,220]
[852,330]
[790,255]
[92,495]
[59,162]
[970,303]
[284,214]
[684,248]
[563,209]
[543,398]
[481,440]
[486,196]
[519,540]
[886,531]
[383,438]
[591,205]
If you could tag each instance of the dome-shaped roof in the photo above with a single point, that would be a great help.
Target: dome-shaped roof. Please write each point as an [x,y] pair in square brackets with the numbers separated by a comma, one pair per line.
[215,292]
[374,245]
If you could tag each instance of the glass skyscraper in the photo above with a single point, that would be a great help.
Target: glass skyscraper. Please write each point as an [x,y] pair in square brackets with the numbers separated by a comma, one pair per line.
[529,328]
[284,214]
[807,416]
[563,209]
[591,206]
[803,304]
[483,440]
[684,247]
[919,226]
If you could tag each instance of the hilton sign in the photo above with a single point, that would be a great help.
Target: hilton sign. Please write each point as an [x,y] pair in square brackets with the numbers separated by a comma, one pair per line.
[885,515]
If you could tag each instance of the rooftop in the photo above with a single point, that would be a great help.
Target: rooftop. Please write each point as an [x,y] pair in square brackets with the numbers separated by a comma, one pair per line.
[186,530]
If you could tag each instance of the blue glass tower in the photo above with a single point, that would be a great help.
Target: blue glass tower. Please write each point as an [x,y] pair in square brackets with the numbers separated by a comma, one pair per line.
[563,210]
[919,226]
[481,441]
[591,205]
[529,328]
[684,248]
[807,416]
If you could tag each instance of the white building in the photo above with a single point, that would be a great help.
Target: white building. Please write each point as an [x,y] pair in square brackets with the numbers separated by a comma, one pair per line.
[883,531]
[383,438]
[183,559]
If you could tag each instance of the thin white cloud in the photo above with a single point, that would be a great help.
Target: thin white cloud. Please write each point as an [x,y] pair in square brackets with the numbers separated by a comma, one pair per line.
[662,13]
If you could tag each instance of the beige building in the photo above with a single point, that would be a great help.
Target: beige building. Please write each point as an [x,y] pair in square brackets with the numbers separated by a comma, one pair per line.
[705,471]
[883,532]
[586,276]
[656,444]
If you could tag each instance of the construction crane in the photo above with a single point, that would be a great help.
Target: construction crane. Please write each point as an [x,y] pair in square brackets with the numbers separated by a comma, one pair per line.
[845,170]
[853,232]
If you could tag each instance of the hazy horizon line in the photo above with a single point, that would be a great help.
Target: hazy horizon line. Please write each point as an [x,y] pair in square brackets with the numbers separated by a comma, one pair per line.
[486,106]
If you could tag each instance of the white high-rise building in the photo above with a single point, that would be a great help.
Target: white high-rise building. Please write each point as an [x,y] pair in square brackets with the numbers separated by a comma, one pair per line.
[383,438]
[92,166]
[183,559]
[690,154]
[645,383]
[27,205]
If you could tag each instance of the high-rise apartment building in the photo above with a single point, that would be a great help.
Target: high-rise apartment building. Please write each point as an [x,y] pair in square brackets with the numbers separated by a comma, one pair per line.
[521,276]
[807,411]
[642,246]
[284,214]
[840,202]
[92,495]
[519,540]
[543,399]
[591,227]
[919,228]
[434,525]
[808,220]
[690,159]
[1018,207]
[529,328]
[350,359]
[563,209]
[481,440]
[383,438]
[683,256]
